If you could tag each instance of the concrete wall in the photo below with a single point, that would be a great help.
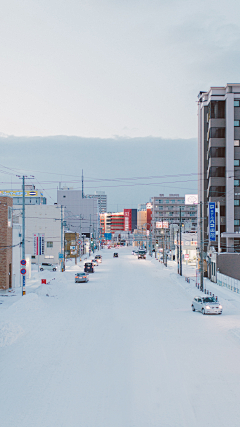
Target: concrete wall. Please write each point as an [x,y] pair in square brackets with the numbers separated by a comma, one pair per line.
[229,264]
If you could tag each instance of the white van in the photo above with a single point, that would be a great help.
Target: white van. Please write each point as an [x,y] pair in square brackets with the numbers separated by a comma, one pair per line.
[47,266]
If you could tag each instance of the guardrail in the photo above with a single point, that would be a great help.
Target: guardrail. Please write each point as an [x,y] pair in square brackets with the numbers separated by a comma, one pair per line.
[228,282]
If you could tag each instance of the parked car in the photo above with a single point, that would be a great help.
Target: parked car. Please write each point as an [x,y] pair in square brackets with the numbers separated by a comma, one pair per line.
[98,258]
[88,267]
[115,255]
[94,262]
[206,305]
[81,278]
[47,266]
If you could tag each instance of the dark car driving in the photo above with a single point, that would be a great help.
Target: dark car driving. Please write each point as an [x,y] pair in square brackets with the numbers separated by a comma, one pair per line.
[115,255]
[88,267]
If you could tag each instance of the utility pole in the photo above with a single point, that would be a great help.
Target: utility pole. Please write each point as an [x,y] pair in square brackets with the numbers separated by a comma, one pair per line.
[178,250]
[23,234]
[82,186]
[62,251]
[90,228]
[163,242]
[201,246]
[80,249]
[180,243]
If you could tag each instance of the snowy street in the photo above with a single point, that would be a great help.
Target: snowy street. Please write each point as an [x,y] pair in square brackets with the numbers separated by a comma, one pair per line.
[123,350]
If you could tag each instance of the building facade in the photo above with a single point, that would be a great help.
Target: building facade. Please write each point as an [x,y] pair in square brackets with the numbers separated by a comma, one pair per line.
[32,196]
[102,200]
[219,163]
[81,213]
[167,209]
[6,243]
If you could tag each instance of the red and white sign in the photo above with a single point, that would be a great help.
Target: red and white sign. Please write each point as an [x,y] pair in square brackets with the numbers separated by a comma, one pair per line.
[162,224]
[127,219]
[186,256]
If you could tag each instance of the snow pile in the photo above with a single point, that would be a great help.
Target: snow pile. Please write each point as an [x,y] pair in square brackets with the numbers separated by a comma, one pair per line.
[9,333]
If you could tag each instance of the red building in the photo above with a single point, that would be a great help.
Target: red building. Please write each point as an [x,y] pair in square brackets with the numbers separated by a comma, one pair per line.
[149,215]
[130,219]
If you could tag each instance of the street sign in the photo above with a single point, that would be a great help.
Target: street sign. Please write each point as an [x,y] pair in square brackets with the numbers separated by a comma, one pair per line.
[23,262]
[60,256]
[23,271]
[212,222]
[186,256]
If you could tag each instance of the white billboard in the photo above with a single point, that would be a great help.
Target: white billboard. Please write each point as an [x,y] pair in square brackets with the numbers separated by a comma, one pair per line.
[191,199]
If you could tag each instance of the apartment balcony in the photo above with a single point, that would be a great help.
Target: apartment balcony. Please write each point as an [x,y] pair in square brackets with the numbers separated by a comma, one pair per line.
[217,142]
[222,200]
[215,162]
[216,182]
[217,123]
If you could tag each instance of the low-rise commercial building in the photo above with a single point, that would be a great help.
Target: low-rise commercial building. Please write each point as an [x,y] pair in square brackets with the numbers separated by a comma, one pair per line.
[6,242]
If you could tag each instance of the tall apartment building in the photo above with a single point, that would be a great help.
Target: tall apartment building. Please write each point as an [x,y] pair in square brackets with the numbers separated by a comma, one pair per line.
[168,209]
[101,198]
[218,161]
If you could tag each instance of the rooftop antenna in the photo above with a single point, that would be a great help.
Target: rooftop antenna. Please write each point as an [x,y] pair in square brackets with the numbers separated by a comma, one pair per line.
[82,185]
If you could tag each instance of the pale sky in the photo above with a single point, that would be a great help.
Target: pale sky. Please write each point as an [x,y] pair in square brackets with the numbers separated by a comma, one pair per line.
[104,68]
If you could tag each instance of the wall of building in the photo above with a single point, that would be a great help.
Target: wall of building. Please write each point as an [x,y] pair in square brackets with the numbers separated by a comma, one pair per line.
[229,264]
[76,208]
[6,242]
[43,220]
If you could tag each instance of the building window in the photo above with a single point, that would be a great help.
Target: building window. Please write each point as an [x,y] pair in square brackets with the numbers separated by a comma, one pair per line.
[236,103]
[236,222]
[49,256]
[172,201]
[236,162]
[9,216]
[167,201]
[49,244]
[236,202]
[236,142]
[236,182]
[236,123]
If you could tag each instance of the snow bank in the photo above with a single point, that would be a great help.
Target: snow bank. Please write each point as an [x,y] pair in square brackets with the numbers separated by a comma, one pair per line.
[9,333]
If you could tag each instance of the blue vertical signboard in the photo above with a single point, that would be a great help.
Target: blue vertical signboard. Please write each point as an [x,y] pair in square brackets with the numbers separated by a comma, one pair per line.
[212,222]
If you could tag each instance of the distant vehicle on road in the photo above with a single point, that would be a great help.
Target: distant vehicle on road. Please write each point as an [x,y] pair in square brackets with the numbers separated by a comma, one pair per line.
[94,262]
[81,278]
[141,254]
[134,252]
[115,255]
[98,258]
[206,305]
[88,267]
[47,266]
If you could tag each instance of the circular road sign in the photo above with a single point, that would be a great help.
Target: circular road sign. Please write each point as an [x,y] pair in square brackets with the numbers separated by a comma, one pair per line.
[23,262]
[23,271]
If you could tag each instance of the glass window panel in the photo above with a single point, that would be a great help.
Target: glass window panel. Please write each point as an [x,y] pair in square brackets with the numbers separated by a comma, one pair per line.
[236,123]
[236,162]
[236,103]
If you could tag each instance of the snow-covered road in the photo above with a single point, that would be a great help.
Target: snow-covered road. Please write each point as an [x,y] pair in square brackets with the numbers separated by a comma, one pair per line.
[124,350]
